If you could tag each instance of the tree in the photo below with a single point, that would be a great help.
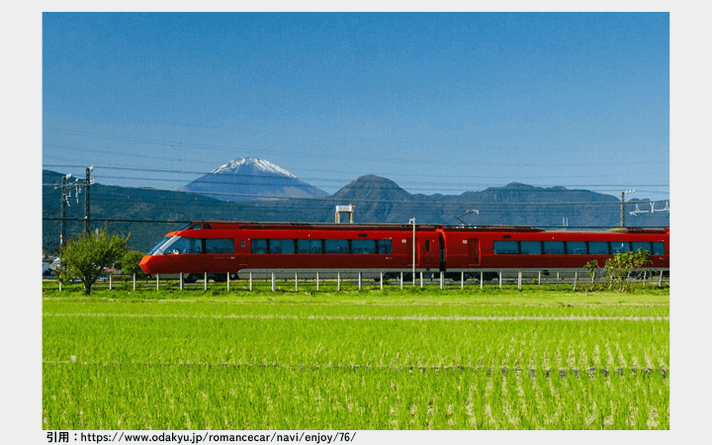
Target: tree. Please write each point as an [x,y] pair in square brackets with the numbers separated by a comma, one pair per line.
[85,257]
[130,263]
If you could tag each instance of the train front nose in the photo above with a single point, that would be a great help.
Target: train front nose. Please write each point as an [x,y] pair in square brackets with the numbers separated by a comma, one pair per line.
[145,264]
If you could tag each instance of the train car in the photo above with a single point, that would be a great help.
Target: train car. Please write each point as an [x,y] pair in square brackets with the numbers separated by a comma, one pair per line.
[535,248]
[219,248]
[531,248]
[234,247]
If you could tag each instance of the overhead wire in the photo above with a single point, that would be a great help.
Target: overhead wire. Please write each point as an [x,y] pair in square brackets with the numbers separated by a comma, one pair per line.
[263,199]
[269,180]
[178,221]
[195,172]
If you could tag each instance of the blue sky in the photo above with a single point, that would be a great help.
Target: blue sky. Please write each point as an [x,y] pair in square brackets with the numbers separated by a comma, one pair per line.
[437,102]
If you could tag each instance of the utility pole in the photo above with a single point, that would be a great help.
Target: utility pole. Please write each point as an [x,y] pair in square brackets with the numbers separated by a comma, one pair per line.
[63,211]
[64,197]
[630,192]
[87,201]
[412,220]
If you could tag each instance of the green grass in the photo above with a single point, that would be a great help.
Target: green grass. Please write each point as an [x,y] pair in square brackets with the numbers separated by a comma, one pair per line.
[178,397]
[364,359]
[303,341]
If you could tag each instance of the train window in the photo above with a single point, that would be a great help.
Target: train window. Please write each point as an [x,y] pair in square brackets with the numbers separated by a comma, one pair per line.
[303,246]
[275,246]
[641,245]
[531,247]
[186,245]
[658,248]
[577,247]
[385,246]
[554,248]
[196,227]
[336,246]
[619,246]
[427,245]
[598,248]
[316,246]
[281,246]
[309,246]
[506,247]
[259,246]
[242,243]
[219,245]
[363,246]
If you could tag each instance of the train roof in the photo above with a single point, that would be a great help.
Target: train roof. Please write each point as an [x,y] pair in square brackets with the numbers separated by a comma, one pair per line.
[401,226]
[293,225]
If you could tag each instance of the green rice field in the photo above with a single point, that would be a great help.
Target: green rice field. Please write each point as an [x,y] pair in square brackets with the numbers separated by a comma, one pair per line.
[370,359]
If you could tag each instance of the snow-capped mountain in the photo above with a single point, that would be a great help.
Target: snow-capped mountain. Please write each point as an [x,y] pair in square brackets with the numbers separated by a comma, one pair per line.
[233,167]
[251,178]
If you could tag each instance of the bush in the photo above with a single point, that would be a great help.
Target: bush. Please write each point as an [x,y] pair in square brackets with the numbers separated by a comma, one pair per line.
[619,267]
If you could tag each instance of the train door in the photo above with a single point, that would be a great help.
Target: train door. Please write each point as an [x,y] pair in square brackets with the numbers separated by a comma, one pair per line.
[241,253]
[473,252]
[428,252]
[409,251]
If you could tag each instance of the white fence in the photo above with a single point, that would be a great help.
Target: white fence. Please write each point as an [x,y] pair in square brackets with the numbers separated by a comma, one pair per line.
[470,278]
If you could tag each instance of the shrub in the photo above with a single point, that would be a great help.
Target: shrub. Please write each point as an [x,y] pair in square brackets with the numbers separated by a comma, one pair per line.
[619,267]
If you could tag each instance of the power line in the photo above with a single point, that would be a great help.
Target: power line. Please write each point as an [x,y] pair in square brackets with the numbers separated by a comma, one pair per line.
[261,199]
[156,170]
[272,180]
[326,182]
[416,199]
[176,221]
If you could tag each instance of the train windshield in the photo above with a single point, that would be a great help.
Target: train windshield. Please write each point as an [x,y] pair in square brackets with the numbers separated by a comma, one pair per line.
[158,248]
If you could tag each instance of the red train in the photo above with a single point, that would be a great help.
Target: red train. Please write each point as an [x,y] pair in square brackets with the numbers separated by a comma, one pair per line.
[219,248]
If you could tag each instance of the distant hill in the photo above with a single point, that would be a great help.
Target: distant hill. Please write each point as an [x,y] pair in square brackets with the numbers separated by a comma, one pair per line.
[251,178]
[382,200]
[376,199]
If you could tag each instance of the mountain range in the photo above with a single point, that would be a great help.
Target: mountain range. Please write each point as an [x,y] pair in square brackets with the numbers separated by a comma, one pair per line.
[255,190]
